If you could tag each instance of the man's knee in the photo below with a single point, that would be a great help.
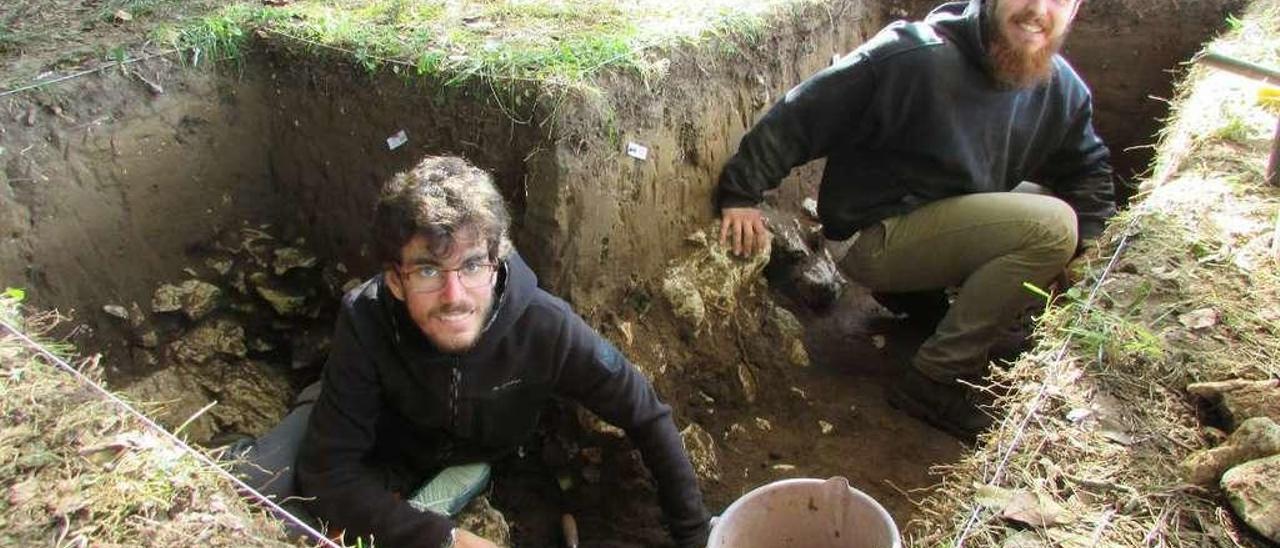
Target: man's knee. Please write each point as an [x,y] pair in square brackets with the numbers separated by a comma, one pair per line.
[1056,229]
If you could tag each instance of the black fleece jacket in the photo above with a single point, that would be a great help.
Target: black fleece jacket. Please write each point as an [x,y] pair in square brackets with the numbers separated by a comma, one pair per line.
[914,116]
[394,410]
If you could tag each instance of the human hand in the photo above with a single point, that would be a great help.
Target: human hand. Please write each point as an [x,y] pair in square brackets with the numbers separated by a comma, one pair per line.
[466,539]
[745,225]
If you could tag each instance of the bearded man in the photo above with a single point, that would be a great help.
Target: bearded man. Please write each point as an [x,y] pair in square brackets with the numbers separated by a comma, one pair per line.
[926,129]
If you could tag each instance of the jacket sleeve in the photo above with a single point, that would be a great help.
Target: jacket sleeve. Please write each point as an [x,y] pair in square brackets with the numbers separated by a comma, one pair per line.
[346,493]
[804,125]
[596,375]
[1080,173]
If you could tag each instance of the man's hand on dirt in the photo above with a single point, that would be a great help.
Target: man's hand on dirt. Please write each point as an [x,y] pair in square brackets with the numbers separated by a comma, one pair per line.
[466,539]
[743,228]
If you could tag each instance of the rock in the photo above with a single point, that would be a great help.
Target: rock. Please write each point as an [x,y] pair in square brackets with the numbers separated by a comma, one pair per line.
[592,423]
[252,396]
[194,298]
[747,380]
[210,338]
[788,334]
[483,519]
[818,282]
[789,249]
[685,301]
[810,207]
[283,302]
[289,258]
[702,452]
[797,355]
[220,265]
[784,322]
[177,398]
[1202,318]
[1253,490]
[707,282]
[1256,438]
[116,311]
[1238,399]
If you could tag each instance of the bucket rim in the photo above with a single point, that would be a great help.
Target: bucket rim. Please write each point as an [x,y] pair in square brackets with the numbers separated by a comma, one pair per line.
[774,485]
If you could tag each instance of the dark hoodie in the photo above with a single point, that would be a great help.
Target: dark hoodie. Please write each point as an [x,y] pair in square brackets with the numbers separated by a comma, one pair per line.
[914,116]
[394,410]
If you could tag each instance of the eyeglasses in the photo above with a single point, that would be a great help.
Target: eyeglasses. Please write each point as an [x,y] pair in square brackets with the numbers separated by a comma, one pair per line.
[429,279]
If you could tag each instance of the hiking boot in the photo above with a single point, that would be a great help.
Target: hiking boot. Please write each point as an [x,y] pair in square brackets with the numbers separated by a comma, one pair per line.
[950,407]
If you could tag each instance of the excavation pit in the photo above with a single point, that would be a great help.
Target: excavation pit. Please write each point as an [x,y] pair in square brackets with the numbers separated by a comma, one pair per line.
[113,191]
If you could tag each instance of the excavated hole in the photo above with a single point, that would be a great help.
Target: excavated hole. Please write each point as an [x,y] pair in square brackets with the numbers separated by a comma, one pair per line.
[261,184]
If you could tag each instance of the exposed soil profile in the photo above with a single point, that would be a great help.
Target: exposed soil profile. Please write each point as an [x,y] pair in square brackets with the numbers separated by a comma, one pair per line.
[110,192]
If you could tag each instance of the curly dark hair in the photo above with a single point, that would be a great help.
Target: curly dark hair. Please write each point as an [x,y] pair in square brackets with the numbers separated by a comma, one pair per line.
[440,198]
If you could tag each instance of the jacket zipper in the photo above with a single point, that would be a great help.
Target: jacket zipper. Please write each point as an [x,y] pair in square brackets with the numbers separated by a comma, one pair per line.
[455,383]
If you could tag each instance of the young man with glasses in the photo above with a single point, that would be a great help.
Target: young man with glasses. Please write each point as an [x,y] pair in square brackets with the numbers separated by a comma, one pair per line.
[444,362]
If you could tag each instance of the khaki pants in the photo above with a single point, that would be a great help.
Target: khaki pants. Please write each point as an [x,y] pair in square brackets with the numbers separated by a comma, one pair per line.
[987,244]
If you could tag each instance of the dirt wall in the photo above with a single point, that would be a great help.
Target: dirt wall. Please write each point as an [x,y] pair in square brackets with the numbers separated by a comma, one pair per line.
[330,154]
[105,182]
[616,217]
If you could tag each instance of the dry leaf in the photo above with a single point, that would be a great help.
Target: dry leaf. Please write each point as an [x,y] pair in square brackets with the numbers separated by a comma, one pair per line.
[1023,506]
[1035,510]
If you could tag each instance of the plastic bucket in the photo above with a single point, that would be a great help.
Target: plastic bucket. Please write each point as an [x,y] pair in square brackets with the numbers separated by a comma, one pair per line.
[810,513]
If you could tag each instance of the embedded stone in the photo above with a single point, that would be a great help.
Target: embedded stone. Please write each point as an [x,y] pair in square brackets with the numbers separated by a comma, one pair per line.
[205,341]
[685,300]
[1253,489]
[116,311]
[818,282]
[194,298]
[1239,399]
[1256,438]
[810,207]
[289,258]
[284,302]
[702,452]
[747,380]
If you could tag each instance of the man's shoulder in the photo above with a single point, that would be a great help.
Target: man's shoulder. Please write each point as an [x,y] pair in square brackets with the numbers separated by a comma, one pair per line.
[1068,82]
[899,38]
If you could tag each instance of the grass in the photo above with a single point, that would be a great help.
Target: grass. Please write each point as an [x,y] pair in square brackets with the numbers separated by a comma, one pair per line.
[555,42]
[1096,418]
[77,471]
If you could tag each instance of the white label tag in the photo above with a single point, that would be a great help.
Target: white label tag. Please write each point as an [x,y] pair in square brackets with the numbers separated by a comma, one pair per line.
[397,140]
[637,151]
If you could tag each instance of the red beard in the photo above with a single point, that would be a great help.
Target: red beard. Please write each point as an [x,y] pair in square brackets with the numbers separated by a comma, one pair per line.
[1017,68]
